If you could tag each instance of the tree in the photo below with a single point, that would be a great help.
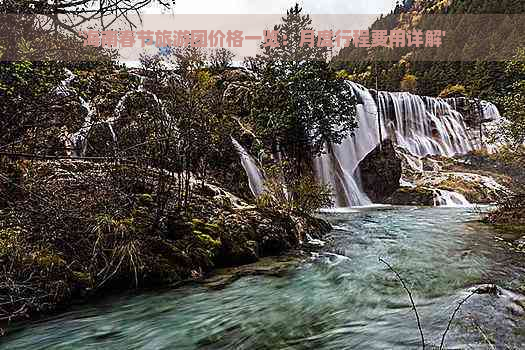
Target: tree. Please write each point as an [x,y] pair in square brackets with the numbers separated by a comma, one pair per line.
[513,130]
[299,104]
[221,59]
[70,14]
[47,30]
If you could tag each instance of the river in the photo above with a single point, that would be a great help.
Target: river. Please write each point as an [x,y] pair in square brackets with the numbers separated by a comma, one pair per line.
[340,298]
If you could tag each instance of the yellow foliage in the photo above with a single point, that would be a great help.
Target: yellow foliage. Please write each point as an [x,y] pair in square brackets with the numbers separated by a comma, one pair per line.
[409,82]
[343,74]
[8,240]
[47,259]
[452,90]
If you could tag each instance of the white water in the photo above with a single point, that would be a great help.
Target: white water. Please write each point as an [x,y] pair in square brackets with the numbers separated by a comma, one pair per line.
[255,178]
[76,142]
[450,199]
[422,125]
[338,167]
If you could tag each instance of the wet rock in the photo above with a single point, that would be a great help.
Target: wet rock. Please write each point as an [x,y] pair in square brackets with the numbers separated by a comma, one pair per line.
[476,188]
[100,141]
[380,172]
[270,266]
[412,196]
[430,164]
[486,289]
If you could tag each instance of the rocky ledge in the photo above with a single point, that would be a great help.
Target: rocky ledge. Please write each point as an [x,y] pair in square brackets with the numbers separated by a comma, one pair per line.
[394,176]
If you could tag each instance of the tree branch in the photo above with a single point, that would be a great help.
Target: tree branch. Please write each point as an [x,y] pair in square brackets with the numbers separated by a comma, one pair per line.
[411,301]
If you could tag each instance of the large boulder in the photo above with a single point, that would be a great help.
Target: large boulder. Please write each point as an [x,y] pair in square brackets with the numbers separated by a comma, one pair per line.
[380,172]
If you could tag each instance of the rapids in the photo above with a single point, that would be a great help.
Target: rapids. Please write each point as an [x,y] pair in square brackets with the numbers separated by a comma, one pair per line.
[341,297]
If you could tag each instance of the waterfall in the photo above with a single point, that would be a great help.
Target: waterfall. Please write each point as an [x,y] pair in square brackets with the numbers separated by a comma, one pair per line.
[255,178]
[422,125]
[338,166]
[450,199]
[76,142]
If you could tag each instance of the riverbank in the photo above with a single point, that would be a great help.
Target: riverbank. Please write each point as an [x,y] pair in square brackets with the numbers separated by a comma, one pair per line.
[509,213]
[73,229]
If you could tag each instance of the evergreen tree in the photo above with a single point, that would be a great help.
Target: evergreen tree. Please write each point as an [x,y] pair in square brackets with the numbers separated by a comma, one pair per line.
[299,104]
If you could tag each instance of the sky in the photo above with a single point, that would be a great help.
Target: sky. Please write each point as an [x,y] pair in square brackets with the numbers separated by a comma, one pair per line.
[275,7]
[279,6]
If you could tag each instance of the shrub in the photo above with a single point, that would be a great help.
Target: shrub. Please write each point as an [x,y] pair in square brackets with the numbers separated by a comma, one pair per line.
[453,91]
[409,82]
[293,193]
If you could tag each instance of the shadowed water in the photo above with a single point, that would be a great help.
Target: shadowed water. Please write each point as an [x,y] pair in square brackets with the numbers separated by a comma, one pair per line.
[341,298]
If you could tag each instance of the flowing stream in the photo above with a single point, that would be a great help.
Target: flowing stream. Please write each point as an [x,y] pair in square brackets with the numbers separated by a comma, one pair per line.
[341,297]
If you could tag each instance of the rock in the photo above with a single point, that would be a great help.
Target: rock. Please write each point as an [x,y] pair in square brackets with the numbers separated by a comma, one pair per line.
[476,188]
[412,196]
[446,174]
[270,266]
[486,289]
[430,164]
[380,172]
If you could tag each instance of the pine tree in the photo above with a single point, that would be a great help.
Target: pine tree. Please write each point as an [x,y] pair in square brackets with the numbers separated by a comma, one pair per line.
[299,103]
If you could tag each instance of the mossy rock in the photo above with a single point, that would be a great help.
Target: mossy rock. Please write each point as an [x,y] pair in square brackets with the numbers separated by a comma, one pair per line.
[419,195]
[473,191]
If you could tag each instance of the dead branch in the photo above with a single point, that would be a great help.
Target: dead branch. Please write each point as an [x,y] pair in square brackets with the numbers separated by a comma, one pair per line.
[452,318]
[411,300]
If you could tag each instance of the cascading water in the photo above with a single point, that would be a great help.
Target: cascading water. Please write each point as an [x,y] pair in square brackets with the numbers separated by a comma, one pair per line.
[338,166]
[450,199]
[76,142]
[422,125]
[255,178]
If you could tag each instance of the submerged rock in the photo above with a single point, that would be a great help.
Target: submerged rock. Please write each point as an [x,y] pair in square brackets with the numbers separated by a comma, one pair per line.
[270,266]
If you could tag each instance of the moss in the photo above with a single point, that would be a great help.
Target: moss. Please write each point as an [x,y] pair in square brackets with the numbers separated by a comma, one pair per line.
[83,278]
[208,241]
[47,259]
[200,227]
[9,239]
[62,258]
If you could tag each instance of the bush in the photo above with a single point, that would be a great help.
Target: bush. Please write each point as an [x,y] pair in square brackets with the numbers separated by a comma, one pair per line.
[510,210]
[409,82]
[453,91]
[293,193]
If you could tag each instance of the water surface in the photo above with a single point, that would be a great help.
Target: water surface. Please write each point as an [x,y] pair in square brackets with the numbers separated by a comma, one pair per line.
[340,298]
